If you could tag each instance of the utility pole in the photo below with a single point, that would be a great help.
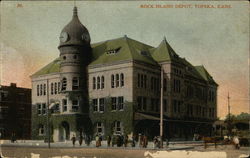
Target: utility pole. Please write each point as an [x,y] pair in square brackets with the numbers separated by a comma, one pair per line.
[229,113]
[161,117]
[48,128]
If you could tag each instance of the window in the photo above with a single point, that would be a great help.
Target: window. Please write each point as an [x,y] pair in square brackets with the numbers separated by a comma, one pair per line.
[165,105]
[152,104]
[41,89]
[44,108]
[52,88]
[122,80]
[41,130]
[75,105]
[139,103]
[164,84]
[64,84]
[112,81]
[141,81]
[138,80]
[64,57]
[117,80]
[145,81]
[75,83]
[95,104]
[39,109]
[177,85]
[58,86]
[102,82]
[64,102]
[155,84]
[75,56]
[99,128]
[44,89]
[98,82]
[113,103]
[55,88]
[144,103]
[118,127]
[94,83]
[37,90]
[101,105]
[157,105]
[120,103]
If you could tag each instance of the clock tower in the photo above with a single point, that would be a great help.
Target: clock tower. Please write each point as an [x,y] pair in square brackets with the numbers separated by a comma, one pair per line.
[75,54]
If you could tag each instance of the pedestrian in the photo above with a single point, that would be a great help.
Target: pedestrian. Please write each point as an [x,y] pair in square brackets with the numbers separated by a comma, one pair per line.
[87,140]
[236,142]
[133,141]
[126,140]
[145,141]
[113,138]
[155,142]
[80,140]
[100,140]
[97,141]
[73,140]
[108,140]
[140,140]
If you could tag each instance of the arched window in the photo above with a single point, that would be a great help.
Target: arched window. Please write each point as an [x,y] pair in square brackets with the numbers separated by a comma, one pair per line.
[117,80]
[64,84]
[55,88]
[44,89]
[98,82]
[41,89]
[94,83]
[122,79]
[52,88]
[75,83]
[102,82]
[112,81]
[37,90]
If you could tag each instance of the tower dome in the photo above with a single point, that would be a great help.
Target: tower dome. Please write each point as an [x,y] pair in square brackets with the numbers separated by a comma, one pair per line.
[74,33]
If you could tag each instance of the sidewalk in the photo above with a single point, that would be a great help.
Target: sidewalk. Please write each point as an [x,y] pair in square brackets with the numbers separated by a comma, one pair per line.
[68,144]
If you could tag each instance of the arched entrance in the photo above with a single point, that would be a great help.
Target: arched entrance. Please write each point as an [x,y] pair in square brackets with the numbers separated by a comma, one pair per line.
[64,131]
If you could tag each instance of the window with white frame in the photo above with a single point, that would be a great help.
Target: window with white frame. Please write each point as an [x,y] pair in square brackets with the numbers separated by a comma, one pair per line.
[113,103]
[98,82]
[102,82]
[120,103]
[64,104]
[64,84]
[117,80]
[118,127]
[55,88]
[44,89]
[94,83]
[99,128]
[75,105]
[95,105]
[39,109]
[41,89]
[101,104]
[112,81]
[75,83]
[52,88]
[37,90]
[44,108]
[59,87]
[122,80]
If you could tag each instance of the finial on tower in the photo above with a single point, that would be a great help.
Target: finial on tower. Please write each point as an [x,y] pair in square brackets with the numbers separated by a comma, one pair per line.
[75,11]
[164,38]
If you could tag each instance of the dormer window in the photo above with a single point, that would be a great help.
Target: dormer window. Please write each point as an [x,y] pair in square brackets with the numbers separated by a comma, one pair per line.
[113,51]
[144,53]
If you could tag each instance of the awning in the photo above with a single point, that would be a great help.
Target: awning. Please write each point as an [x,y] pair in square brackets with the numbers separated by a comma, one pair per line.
[140,116]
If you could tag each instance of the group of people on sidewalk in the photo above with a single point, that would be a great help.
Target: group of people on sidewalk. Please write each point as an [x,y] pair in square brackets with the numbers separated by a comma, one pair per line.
[119,140]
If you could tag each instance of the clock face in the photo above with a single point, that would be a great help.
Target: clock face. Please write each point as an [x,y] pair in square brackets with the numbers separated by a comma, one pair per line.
[85,37]
[64,37]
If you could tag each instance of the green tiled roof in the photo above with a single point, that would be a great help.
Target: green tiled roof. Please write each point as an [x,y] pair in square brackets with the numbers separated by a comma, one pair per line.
[205,75]
[127,49]
[163,52]
[52,67]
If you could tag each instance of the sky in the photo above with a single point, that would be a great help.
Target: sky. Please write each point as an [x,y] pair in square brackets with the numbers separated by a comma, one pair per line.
[217,38]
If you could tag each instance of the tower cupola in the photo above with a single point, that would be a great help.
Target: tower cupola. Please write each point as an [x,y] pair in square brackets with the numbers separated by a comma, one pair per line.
[74,33]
